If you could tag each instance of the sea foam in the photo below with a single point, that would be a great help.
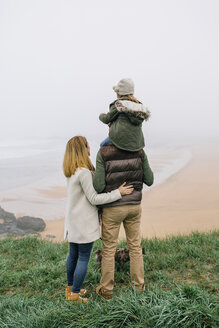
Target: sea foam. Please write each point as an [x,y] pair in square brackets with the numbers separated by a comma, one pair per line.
[30,166]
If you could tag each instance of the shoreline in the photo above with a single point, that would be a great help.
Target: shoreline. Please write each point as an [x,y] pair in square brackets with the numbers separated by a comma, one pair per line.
[187,201]
[46,198]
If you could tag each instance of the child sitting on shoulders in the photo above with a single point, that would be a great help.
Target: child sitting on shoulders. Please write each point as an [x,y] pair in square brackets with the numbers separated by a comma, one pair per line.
[125,118]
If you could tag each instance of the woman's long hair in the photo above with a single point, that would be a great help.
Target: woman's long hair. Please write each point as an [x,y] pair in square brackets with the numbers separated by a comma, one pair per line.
[76,155]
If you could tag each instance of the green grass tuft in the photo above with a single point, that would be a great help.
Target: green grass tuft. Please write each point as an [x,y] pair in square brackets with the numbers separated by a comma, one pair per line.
[181,276]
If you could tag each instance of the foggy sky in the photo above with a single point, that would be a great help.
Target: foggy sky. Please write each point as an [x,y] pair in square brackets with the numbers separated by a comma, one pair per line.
[60,59]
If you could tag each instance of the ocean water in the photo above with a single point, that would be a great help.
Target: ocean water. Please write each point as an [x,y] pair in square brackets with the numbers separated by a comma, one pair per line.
[29,166]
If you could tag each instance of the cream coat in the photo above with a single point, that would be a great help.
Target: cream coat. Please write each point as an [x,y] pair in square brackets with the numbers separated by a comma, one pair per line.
[81,220]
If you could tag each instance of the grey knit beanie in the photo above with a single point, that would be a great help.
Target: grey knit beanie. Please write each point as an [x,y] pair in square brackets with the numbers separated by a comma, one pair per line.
[124,87]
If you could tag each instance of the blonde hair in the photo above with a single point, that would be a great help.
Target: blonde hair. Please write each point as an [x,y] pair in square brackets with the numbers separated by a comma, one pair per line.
[130,97]
[76,155]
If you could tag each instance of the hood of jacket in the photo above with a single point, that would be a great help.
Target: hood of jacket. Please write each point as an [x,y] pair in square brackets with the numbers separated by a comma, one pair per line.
[135,109]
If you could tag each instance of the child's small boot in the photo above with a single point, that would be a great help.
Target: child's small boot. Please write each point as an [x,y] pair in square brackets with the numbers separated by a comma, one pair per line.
[76,298]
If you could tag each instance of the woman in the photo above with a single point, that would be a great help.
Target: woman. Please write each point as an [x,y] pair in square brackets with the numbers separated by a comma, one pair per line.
[81,221]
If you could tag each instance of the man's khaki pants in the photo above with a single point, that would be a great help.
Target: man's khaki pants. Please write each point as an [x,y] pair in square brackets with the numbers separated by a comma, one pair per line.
[112,218]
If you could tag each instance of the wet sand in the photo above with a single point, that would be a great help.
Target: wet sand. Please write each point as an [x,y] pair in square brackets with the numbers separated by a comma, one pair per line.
[54,192]
[187,201]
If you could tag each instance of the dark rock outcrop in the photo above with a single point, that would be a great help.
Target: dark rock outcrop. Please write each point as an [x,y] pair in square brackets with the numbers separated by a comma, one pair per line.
[30,223]
[10,226]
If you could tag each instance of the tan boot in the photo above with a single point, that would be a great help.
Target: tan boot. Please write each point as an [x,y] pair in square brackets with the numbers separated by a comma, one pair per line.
[83,292]
[139,288]
[100,291]
[76,298]
[68,290]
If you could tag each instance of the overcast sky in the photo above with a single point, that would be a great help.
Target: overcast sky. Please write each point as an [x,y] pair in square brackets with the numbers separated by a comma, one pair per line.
[60,59]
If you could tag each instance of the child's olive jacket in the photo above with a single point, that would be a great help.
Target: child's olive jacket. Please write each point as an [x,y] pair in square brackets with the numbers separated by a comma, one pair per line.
[125,119]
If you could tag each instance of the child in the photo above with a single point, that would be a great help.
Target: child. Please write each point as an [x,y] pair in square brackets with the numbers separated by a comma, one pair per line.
[125,118]
[81,221]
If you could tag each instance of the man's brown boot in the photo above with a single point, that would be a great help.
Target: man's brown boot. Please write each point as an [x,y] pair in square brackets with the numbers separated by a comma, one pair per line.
[100,291]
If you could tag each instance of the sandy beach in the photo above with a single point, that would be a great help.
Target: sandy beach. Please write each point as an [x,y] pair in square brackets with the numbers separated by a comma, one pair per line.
[187,201]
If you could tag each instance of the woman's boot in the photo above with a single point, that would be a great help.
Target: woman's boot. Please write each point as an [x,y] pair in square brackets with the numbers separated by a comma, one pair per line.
[68,290]
[76,298]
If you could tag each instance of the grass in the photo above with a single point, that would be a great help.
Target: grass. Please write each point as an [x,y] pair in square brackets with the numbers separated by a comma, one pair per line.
[181,275]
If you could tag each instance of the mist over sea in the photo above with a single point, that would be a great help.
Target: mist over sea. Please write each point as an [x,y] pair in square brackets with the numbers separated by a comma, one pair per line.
[32,165]
[56,77]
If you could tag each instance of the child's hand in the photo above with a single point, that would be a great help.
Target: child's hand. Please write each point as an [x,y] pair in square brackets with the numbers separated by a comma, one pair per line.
[125,190]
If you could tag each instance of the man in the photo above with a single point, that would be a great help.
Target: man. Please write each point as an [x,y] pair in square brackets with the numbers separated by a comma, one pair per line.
[113,167]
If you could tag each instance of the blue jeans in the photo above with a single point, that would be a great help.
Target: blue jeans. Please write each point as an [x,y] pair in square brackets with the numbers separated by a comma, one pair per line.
[76,265]
[105,142]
